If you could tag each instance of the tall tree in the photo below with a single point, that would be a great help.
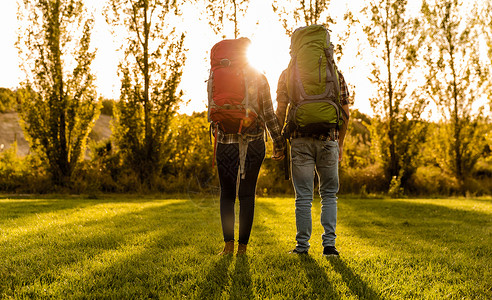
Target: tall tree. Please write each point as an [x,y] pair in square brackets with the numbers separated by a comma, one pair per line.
[396,130]
[223,11]
[59,106]
[150,75]
[454,81]
[486,33]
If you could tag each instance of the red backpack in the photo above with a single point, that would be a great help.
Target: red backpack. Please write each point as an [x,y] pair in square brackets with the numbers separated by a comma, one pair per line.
[232,94]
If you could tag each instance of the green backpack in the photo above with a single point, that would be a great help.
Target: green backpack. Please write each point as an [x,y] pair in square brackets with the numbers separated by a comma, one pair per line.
[312,83]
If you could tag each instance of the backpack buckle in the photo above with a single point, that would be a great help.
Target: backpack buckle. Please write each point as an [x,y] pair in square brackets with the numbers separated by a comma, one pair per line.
[225,62]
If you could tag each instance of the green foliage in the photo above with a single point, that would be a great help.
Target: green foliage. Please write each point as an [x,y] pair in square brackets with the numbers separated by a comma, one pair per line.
[396,131]
[302,13]
[166,248]
[221,12]
[187,166]
[22,175]
[190,154]
[472,145]
[432,181]
[395,189]
[366,180]
[455,80]
[150,76]
[271,180]
[357,143]
[8,100]
[58,104]
[103,172]
[11,169]
[107,106]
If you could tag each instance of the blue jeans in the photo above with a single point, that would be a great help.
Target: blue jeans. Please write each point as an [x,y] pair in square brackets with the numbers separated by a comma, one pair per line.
[309,156]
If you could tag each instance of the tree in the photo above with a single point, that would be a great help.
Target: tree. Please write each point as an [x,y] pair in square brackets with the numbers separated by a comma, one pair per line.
[396,130]
[59,104]
[304,13]
[190,157]
[485,32]
[455,83]
[150,75]
[7,99]
[219,12]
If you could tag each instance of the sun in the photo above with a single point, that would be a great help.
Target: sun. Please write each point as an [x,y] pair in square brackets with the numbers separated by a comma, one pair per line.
[269,54]
[257,59]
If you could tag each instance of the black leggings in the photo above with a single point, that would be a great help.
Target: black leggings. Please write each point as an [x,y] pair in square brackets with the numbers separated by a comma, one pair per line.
[228,165]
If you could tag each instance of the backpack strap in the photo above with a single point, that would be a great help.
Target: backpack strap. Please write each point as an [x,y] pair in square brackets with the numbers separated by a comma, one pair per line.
[329,55]
[210,134]
[243,151]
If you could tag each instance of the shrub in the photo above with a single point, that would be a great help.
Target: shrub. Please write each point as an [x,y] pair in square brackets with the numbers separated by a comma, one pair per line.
[370,179]
[107,107]
[431,180]
[271,179]
[395,189]
[23,174]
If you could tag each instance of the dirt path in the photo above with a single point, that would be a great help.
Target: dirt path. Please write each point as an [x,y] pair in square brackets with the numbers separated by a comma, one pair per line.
[10,131]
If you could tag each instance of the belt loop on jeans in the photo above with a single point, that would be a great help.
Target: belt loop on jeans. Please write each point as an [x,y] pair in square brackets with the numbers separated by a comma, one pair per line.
[333,135]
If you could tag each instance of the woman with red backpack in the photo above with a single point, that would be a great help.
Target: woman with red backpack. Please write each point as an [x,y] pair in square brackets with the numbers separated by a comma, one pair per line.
[240,107]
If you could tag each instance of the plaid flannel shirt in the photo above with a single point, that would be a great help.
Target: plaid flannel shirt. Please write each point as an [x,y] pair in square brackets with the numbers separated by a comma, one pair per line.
[283,102]
[266,115]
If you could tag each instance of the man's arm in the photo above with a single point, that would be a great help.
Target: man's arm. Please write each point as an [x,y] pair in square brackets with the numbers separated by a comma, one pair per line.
[271,120]
[343,131]
[344,100]
[282,99]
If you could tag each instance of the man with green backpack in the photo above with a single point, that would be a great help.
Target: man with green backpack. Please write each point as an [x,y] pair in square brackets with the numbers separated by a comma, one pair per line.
[313,100]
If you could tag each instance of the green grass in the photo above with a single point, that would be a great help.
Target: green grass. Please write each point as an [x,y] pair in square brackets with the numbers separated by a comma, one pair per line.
[127,248]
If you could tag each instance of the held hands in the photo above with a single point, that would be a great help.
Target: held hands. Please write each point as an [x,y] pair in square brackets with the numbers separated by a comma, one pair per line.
[278,155]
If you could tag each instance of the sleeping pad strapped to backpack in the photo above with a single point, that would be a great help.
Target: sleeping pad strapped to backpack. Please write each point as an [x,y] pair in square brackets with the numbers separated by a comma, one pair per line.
[312,83]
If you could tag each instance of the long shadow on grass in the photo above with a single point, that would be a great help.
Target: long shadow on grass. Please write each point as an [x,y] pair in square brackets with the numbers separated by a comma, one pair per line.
[12,208]
[317,276]
[321,286]
[128,253]
[241,287]
[216,279]
[353,281]
[421,224]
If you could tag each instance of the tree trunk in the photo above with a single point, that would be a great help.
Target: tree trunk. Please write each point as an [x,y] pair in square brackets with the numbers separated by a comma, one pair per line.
[393,167]
[62,172]
[235,19]
[148,127]
[456,121]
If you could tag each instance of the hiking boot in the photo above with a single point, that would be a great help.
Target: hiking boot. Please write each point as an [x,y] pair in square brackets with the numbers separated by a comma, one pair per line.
[295,251]
[228,248]
[241,249]
[330,251]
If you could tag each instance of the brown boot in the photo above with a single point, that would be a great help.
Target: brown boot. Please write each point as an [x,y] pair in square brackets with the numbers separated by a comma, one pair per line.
[241,249]
[228,248]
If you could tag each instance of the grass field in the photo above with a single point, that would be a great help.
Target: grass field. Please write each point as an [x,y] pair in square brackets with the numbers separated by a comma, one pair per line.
[129,248]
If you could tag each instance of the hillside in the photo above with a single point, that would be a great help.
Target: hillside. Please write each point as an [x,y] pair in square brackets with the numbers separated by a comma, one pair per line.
[11,131]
